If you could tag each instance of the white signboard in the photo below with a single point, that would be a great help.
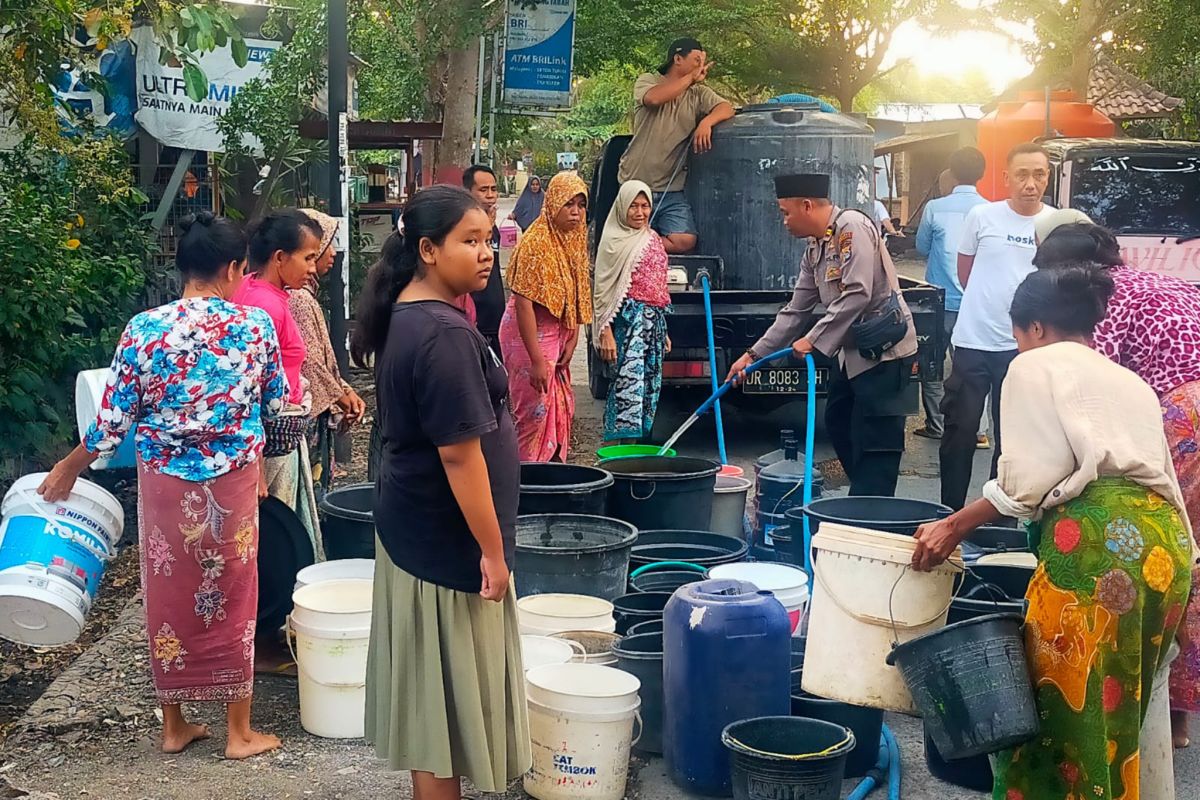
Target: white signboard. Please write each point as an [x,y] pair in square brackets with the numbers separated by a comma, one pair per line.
[164,109]
[539,50]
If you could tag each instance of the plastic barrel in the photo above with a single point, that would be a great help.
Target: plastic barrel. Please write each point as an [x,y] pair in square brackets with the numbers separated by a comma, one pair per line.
[792,757]
[889,514]
[348,522]
[970,683]
[563,489]
[654,492]
[630,609]
[700,547]
[773,540]
[641,655]
[573,554]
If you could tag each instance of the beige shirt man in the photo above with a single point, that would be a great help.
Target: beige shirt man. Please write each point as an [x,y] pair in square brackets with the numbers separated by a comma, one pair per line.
[662,134]
[850,272]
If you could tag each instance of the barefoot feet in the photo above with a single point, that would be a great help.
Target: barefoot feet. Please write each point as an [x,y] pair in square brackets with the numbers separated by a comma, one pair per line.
[176,741]
[252,745]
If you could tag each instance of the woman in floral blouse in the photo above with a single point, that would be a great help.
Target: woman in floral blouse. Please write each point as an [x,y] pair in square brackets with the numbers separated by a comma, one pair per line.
[195,379]
[1152,326]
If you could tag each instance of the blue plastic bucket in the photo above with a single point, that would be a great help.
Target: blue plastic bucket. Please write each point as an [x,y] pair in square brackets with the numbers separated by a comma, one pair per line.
[52,558]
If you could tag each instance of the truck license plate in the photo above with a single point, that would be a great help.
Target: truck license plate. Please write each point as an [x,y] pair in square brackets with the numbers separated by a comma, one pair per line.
[782,380]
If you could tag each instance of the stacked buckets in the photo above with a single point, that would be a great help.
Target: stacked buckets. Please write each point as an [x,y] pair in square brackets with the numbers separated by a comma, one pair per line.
[331,627]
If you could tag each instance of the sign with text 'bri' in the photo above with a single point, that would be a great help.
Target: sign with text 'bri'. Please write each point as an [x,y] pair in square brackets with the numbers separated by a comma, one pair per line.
[538,54]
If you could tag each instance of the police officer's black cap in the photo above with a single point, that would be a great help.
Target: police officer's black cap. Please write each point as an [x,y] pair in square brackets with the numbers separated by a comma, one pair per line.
[814,185]
[679,47]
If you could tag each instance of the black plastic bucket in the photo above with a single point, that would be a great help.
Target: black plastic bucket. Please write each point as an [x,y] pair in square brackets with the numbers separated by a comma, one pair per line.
[573,554]
[630,609]
[348,522]
[792,757]
[970,683]
[990,539]
[1002,582]
[649,626]
[773,539]
[973,773]
[563,489]
[655,492]
[865,723]
[665,576]
[641,655]
[891,514]
[704,548]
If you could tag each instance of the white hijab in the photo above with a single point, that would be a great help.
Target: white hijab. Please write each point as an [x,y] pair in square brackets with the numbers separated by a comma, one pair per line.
[620,248]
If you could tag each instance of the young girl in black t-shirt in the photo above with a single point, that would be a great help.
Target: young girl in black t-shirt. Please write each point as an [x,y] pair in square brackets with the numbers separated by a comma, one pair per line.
[445,683]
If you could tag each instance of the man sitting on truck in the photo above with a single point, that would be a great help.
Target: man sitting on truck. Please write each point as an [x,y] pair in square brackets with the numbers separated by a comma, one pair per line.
[848,270]
[672,110]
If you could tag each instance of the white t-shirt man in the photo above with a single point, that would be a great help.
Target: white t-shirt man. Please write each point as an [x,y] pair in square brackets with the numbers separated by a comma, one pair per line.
[1003,244]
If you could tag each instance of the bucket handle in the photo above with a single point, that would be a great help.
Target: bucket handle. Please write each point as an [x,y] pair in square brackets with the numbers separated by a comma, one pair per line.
[633,491]
[62,531]
[577,647]
[641,728]
[289,634]
[663,565]
[873,620]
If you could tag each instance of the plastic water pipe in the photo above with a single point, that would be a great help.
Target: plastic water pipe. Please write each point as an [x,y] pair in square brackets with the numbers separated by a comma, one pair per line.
[712,366]
[876,776]
[886,770]
[810,413]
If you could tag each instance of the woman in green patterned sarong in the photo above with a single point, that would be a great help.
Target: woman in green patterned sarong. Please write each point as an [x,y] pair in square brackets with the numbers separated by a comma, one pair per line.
[1085,459]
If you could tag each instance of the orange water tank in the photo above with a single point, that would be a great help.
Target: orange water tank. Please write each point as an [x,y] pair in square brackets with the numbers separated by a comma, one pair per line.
[1023,120]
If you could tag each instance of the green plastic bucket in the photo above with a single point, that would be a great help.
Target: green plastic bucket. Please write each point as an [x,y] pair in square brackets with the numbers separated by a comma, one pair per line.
[630,450]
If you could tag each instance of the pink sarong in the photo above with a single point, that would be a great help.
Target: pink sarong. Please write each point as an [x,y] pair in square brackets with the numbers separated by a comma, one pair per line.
[543,420]
[200,582]
[1181,419]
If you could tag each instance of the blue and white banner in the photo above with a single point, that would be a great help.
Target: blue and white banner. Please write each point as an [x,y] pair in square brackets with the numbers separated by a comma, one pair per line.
[539,52]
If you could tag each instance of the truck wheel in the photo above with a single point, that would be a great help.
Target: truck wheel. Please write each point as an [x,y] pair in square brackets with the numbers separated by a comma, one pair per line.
[597,376]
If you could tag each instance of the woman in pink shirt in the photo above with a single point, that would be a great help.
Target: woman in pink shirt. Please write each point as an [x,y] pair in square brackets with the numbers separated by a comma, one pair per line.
[284,247]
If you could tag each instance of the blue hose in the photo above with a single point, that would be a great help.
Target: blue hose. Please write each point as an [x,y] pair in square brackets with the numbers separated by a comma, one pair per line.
[724,388]
[887,767]
[894,768]
[810,412]
[712,368]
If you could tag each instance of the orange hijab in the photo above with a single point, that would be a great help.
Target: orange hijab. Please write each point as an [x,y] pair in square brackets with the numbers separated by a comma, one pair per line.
[551,267]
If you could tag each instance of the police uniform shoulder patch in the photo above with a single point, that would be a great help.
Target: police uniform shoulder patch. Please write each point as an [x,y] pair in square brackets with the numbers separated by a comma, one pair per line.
[844,243]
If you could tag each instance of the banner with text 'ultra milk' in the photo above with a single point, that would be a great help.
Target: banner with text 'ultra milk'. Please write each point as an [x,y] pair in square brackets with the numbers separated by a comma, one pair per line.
[164,109]
[539,51]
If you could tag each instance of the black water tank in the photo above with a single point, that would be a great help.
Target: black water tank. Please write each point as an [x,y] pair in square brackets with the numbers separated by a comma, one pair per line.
[731,188]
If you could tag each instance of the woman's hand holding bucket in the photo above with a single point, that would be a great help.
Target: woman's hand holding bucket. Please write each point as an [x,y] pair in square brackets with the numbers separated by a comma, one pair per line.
[61,479]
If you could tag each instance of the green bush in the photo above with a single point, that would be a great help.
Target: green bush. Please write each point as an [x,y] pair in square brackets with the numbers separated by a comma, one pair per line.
[73,267]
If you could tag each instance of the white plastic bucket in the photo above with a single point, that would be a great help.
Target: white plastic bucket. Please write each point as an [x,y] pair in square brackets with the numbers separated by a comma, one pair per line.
[52,558]
[1157,760]
[788,584]
[544,614]
[334,605]
[539,651]
[89,389]
[581,728]
[729,505]
[332,671]
[866,598]
[340,569]
[594,647]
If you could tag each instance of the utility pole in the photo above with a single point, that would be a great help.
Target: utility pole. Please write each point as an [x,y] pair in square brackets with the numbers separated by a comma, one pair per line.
[339,55]
[477,156]
[492,106]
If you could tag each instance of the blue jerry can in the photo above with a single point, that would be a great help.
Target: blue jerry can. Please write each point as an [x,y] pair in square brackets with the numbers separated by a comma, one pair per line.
[726,657]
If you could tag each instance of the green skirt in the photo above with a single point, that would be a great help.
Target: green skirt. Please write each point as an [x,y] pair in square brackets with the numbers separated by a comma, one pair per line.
[1114,569]
[445,683]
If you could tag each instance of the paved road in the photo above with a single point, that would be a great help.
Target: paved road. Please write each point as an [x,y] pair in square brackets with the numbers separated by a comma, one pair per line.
[749,435]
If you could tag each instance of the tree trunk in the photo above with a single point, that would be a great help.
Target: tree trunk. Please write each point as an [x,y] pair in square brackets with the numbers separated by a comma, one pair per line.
[1089,23]
[455,150]
[845,98]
